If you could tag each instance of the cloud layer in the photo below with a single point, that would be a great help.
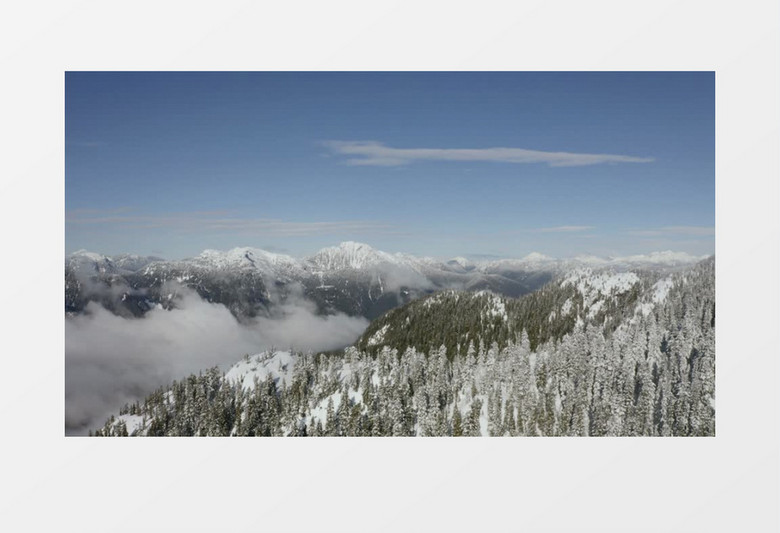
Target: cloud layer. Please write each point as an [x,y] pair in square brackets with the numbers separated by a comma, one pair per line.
[695,231]
[377,154]
[110,360]
[564,229]
[200,221]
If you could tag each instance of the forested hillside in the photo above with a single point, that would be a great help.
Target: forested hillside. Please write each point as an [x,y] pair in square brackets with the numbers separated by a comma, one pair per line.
[593,353]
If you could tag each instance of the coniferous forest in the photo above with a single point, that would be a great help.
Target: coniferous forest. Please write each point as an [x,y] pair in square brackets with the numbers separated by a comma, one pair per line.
[586,355]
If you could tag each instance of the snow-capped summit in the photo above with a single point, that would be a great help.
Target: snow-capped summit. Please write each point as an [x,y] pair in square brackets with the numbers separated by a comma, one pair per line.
[532,261]
[133,262]
[246,257]
[86,254]
[590,260]
[352,255]
[83,261]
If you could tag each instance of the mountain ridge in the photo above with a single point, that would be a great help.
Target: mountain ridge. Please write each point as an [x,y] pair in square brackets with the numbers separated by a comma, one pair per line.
[357,255]
[351,278]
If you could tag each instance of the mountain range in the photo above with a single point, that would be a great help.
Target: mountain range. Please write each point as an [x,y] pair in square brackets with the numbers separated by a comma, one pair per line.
[351,278]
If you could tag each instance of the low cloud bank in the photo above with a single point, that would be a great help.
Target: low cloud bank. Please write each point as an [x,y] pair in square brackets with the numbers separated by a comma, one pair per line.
[110,360]
[393,279]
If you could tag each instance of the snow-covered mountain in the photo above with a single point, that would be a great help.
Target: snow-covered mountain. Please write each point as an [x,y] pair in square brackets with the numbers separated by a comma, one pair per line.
[94,277]
[535,261]
[269,263]
[352,278]
[660,259]
[357,256]
[91,263]
[132,262]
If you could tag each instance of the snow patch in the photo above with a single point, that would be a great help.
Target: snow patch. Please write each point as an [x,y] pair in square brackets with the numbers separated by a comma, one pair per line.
[134,423]
[661,289]
[593,286]
[379,336]
[595,308]
[659,292]
[497,308]
[278,365]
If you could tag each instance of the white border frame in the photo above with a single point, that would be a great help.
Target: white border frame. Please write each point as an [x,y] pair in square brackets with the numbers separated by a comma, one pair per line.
[725,483]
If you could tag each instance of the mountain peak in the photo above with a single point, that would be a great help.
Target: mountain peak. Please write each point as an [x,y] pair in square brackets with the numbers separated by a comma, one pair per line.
[354,246]
[88,255]
[350,254]
[244,256]
[536,257]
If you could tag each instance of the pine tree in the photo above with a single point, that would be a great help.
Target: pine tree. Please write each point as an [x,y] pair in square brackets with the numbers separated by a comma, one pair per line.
[457,423]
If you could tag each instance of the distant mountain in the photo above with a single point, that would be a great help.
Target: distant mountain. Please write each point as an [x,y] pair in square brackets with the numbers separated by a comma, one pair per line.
[356,256]
[351,278]
[267,263]
[536,261]
[132,262]
[94,277]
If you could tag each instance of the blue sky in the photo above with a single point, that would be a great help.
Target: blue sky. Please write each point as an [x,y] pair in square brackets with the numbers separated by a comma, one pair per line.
[439,164]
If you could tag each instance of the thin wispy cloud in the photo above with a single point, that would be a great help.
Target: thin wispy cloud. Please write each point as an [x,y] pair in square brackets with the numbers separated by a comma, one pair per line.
[108,211]
[200,221]
[666,231]
[372,153]
[564,229]
[88,144]
[582,231]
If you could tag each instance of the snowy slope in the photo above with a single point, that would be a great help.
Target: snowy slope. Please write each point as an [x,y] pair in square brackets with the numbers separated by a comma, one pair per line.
[246,257]
[90,263]
[356,256]
[592,284]
[257,368]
